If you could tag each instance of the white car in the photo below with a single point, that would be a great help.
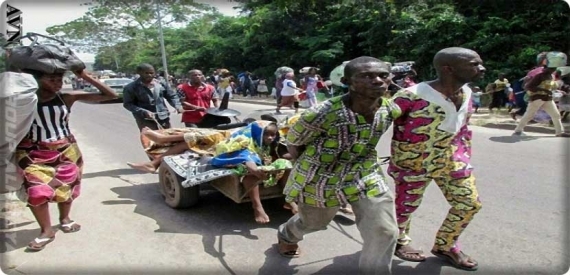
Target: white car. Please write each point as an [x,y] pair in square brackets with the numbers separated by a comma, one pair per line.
[117,84]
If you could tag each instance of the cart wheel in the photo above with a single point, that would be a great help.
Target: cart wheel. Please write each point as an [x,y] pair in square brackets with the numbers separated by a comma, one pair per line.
[175,195]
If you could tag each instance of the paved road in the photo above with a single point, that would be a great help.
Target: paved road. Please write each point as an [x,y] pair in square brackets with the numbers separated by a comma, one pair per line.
[128,229]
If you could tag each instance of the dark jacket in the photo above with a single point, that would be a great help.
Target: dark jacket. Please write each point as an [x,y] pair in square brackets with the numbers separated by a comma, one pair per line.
[138,99]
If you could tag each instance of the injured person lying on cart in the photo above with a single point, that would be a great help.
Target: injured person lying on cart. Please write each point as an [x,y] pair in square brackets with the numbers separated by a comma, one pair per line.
[253,152]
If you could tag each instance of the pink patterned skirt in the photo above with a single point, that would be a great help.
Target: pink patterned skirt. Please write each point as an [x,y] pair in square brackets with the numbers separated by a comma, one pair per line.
[51,170]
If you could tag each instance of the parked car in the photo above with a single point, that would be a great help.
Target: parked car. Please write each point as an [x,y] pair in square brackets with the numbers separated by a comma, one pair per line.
[117,84]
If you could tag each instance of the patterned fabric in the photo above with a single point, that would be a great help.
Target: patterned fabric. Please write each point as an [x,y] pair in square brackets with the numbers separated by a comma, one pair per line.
[204,141]
[549,84]
[243,145]
[431,141]
[199,140]
[246,145]
[339,164]
[51,170]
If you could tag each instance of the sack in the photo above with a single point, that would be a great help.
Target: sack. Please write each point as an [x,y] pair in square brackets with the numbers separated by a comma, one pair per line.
[46,58]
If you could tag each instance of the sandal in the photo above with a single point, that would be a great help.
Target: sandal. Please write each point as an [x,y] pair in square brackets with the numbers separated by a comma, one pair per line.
[70,227]
[346,210]
[289,250]
[460,262]
[407,253]
[38,244]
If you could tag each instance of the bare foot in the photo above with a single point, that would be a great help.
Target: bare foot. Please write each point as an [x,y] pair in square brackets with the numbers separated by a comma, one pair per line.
[260,215]
[144,167]
[291,206]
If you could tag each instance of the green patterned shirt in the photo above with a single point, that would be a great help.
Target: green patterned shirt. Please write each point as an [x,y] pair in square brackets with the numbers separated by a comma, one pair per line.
[340,162]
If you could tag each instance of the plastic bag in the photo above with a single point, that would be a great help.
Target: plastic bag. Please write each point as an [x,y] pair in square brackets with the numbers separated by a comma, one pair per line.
[541,117]
[18,102]
[46,58]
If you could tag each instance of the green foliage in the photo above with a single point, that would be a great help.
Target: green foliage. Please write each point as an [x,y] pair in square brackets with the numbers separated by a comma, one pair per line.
[322,33]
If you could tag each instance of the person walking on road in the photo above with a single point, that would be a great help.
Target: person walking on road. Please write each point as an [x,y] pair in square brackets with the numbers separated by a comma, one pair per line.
[540,85]
[49,158]
[196,97]
[144,98]
[334,145]
[431,141]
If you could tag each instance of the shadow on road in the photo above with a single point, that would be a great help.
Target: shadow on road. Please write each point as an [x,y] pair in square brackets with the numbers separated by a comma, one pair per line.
[116,173]
[213,218]
[515,139]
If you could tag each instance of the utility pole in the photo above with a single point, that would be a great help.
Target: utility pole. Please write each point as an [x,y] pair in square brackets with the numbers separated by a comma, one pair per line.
[162,48]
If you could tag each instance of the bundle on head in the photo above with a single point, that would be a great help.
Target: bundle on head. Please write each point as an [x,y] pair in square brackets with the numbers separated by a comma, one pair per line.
[45,58]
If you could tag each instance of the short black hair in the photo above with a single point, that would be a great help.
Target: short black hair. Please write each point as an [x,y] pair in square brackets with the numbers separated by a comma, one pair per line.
[350,67]
[144,66]
[38,74]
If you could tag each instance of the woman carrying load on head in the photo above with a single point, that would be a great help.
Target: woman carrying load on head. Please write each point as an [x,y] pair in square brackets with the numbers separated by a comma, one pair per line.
[48,157]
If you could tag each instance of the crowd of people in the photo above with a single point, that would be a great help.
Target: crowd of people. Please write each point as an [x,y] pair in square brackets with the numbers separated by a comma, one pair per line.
[329,159]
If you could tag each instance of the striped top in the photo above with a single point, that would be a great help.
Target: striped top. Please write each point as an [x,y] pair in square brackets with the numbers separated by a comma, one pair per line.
[51,121]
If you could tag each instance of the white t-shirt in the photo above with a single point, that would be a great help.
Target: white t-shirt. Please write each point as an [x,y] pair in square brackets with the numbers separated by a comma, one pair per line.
[288,91]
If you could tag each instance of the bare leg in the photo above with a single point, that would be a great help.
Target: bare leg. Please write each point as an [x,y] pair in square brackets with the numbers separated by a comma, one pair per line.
[150,167]
[41,213]
[161,138]
[288,205]
[251,183]
[64,220]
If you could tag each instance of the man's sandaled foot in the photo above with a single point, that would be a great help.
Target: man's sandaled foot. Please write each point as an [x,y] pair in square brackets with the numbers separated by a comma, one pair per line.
[407,253]
[39,243]
[289,250]
[458,259]
[260,215]
[291,206]
[144,167]
[70,227]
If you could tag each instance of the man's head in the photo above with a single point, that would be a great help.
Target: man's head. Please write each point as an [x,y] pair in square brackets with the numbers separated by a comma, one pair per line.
[458,64]
[501,77]
[367,76]
[146,72]
[290,75]
[195,77]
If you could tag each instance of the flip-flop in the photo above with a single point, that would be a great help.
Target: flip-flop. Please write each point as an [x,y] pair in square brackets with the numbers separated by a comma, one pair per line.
[41,242]
[289,250]
[461,264]
[69,227]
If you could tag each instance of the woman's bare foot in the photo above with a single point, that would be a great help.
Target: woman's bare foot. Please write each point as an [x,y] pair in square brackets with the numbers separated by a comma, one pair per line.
[260,215]
[144,167]
[291,206]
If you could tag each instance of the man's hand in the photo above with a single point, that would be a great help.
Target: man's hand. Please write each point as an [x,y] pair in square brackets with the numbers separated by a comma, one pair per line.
[180,110]
[149,114]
